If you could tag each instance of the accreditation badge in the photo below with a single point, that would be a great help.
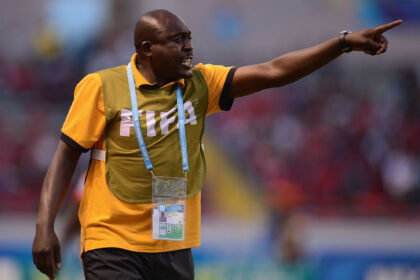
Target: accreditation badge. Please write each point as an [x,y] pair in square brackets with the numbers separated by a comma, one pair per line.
[168,214]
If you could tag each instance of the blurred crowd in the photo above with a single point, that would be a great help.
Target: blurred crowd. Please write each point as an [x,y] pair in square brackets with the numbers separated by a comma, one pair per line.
[34,95]
[36,92]
[345,140]
[340,142]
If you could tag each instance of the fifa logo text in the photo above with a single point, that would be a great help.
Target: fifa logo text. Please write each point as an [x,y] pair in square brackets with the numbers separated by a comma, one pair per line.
[166,118]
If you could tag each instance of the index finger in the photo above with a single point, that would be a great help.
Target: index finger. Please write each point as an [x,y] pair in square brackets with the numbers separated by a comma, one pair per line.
[48,266]
[388,26]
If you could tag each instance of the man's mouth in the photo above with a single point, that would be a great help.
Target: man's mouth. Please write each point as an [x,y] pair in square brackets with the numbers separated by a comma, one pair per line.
[186,62]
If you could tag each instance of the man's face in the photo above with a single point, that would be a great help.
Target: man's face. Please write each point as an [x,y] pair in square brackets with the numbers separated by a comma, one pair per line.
[172,52]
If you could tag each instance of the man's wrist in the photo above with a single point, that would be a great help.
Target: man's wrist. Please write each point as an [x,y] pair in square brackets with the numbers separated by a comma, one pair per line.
[344,44]
[43,223]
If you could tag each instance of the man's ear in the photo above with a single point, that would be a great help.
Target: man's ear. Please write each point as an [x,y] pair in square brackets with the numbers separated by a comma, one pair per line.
[146,48]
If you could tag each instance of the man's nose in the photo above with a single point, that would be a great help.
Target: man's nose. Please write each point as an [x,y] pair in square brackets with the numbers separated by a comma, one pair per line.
[188,45]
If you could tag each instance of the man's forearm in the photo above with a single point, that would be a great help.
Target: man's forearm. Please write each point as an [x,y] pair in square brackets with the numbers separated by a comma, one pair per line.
[56,183]
[284,69]
[298,64]
[295,65]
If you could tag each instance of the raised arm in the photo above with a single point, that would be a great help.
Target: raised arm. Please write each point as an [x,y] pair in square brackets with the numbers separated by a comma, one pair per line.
[295,65]
[46,247]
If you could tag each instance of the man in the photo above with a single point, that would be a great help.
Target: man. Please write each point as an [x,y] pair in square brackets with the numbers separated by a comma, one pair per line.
[122,210]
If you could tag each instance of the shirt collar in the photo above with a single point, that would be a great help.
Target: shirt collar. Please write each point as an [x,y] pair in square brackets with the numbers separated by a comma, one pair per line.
[140,80]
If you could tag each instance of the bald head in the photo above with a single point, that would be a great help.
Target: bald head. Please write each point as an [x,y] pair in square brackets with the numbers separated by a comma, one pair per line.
[153,25]
[163,47]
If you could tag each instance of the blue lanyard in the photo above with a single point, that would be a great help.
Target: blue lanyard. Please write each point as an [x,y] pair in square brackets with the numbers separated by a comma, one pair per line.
[181,122]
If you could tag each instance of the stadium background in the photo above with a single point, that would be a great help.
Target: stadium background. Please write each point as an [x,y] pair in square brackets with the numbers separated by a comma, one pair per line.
[316,180]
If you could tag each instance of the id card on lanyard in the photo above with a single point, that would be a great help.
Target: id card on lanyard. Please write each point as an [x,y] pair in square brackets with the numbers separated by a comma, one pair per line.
[168,201]
[168,193]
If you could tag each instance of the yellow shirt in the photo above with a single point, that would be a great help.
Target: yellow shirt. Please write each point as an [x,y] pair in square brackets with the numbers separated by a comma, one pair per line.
[105,220]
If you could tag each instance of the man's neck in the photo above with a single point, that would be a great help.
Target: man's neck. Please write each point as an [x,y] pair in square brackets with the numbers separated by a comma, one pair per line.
[146,73]
[150,76]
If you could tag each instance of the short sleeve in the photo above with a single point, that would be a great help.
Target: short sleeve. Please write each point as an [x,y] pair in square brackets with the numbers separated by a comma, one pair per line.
[85,120]
[218,79]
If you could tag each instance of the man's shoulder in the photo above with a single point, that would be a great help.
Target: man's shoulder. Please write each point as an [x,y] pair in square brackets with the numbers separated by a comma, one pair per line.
[114,70]
[99,77]
[204,70]
[198,73]
[210,69]
[212,72]
[117,72]
[202,67]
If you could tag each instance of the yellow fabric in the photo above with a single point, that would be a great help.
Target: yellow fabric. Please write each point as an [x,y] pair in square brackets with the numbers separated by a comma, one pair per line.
[213,74]
[107,221]
[85,121]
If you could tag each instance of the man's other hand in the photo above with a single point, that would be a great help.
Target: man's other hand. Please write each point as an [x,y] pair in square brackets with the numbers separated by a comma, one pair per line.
[46,252]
